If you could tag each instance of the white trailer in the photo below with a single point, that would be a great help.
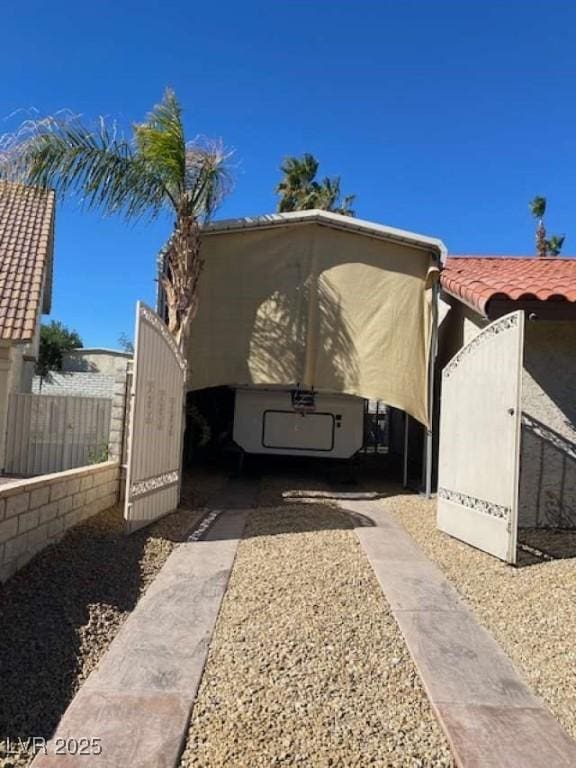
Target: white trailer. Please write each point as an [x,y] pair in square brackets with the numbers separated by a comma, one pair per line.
[295,423]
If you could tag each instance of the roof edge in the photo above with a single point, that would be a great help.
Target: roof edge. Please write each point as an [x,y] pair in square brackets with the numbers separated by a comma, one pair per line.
[98,350]
[507,257]
[329,219]
[480,308]
[49,274]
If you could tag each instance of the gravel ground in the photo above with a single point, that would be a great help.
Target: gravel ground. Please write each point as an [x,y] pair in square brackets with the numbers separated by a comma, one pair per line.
[307,666]
[59,614]
[530,610]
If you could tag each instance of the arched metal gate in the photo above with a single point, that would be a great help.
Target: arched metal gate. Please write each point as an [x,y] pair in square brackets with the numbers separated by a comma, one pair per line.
[155,423]
[480,439]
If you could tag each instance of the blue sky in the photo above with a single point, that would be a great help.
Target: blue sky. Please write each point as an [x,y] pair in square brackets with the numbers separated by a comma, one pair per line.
[444,118]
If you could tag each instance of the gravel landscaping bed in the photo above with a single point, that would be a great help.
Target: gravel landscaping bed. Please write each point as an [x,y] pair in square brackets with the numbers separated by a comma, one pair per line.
[307,665]
[59,614]
[530,610]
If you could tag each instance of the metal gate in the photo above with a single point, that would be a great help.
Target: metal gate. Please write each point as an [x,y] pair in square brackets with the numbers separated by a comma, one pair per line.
[155,423]
[480,439]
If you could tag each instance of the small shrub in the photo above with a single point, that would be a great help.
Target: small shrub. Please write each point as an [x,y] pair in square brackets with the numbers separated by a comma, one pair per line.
[98,455]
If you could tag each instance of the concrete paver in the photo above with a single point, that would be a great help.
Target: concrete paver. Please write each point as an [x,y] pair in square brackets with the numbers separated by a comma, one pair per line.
[489,715]
[139,698]
[142,729]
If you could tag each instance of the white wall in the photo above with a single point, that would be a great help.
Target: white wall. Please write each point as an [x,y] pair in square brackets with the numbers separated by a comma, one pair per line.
[110,362]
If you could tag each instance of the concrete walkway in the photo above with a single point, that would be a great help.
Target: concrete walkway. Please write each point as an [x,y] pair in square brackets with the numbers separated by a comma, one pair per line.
[490,717]
[139,699]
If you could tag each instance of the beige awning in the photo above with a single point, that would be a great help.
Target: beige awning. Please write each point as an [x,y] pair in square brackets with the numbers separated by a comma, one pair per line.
[318,307]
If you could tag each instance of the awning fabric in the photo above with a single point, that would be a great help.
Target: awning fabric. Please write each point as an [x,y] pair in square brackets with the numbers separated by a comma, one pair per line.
[315,307]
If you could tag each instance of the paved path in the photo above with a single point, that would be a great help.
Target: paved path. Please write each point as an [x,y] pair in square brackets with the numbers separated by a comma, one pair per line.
[139,699]
[490,717]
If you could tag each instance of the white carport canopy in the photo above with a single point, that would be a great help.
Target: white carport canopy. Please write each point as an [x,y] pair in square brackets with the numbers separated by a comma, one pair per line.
[318,300]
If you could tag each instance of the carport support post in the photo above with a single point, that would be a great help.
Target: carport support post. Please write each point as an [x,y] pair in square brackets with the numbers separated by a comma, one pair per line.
[431,372]
[405,467]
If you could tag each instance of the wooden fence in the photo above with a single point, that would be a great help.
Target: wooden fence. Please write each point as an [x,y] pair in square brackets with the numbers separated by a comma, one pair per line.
[48,433]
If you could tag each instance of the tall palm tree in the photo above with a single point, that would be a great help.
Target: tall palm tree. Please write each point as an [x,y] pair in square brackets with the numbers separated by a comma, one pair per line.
[544,246]
[297,188]
[300,191]
[156,171]
[538,209]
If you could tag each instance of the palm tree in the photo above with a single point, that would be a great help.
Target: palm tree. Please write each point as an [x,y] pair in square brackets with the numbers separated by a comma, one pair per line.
[329,197]
[554,244]
[300,191]
[297,186]
[544,246]
[156,171]
[538,209]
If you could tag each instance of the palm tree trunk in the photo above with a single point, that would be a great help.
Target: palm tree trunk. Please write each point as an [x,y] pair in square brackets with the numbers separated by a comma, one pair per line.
[184,265]
[541,244]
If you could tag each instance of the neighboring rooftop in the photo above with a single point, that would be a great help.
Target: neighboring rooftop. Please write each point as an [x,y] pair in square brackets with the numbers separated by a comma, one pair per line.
[99,351]
[482,281]
[26,245]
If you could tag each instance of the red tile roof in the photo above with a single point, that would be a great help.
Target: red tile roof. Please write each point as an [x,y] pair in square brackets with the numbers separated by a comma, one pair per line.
[26,242]
[476,280]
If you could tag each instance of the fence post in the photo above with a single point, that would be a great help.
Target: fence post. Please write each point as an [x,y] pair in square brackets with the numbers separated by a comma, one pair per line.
[63,461]
[117,420]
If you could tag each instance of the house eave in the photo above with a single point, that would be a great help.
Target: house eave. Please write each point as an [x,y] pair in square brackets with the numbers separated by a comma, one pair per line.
[534,309]
[454,297]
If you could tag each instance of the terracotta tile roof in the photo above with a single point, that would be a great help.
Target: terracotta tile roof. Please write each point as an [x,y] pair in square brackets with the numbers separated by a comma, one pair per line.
[26,243]
[476,280]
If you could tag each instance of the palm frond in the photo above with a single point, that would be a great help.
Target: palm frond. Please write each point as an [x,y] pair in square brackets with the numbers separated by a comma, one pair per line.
[161,144]
[538,207]
[208,178]
[299,190]
[97,165]
[554,244]
[345,207]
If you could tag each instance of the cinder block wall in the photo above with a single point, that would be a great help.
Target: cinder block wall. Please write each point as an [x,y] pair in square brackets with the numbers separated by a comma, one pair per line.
[77,384]
[37,512]
[115,443]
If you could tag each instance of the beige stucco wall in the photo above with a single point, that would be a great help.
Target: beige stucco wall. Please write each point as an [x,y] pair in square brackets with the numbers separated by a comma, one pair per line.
[17,363]
[548,453]
[5,364]
[36,513]
[16,373]
[459,327]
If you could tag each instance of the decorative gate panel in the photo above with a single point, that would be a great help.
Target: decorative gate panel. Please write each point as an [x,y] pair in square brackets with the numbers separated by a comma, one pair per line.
[480,439]
[155,422]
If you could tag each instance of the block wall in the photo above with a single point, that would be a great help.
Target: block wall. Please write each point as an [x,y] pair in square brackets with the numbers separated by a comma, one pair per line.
[35,513]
